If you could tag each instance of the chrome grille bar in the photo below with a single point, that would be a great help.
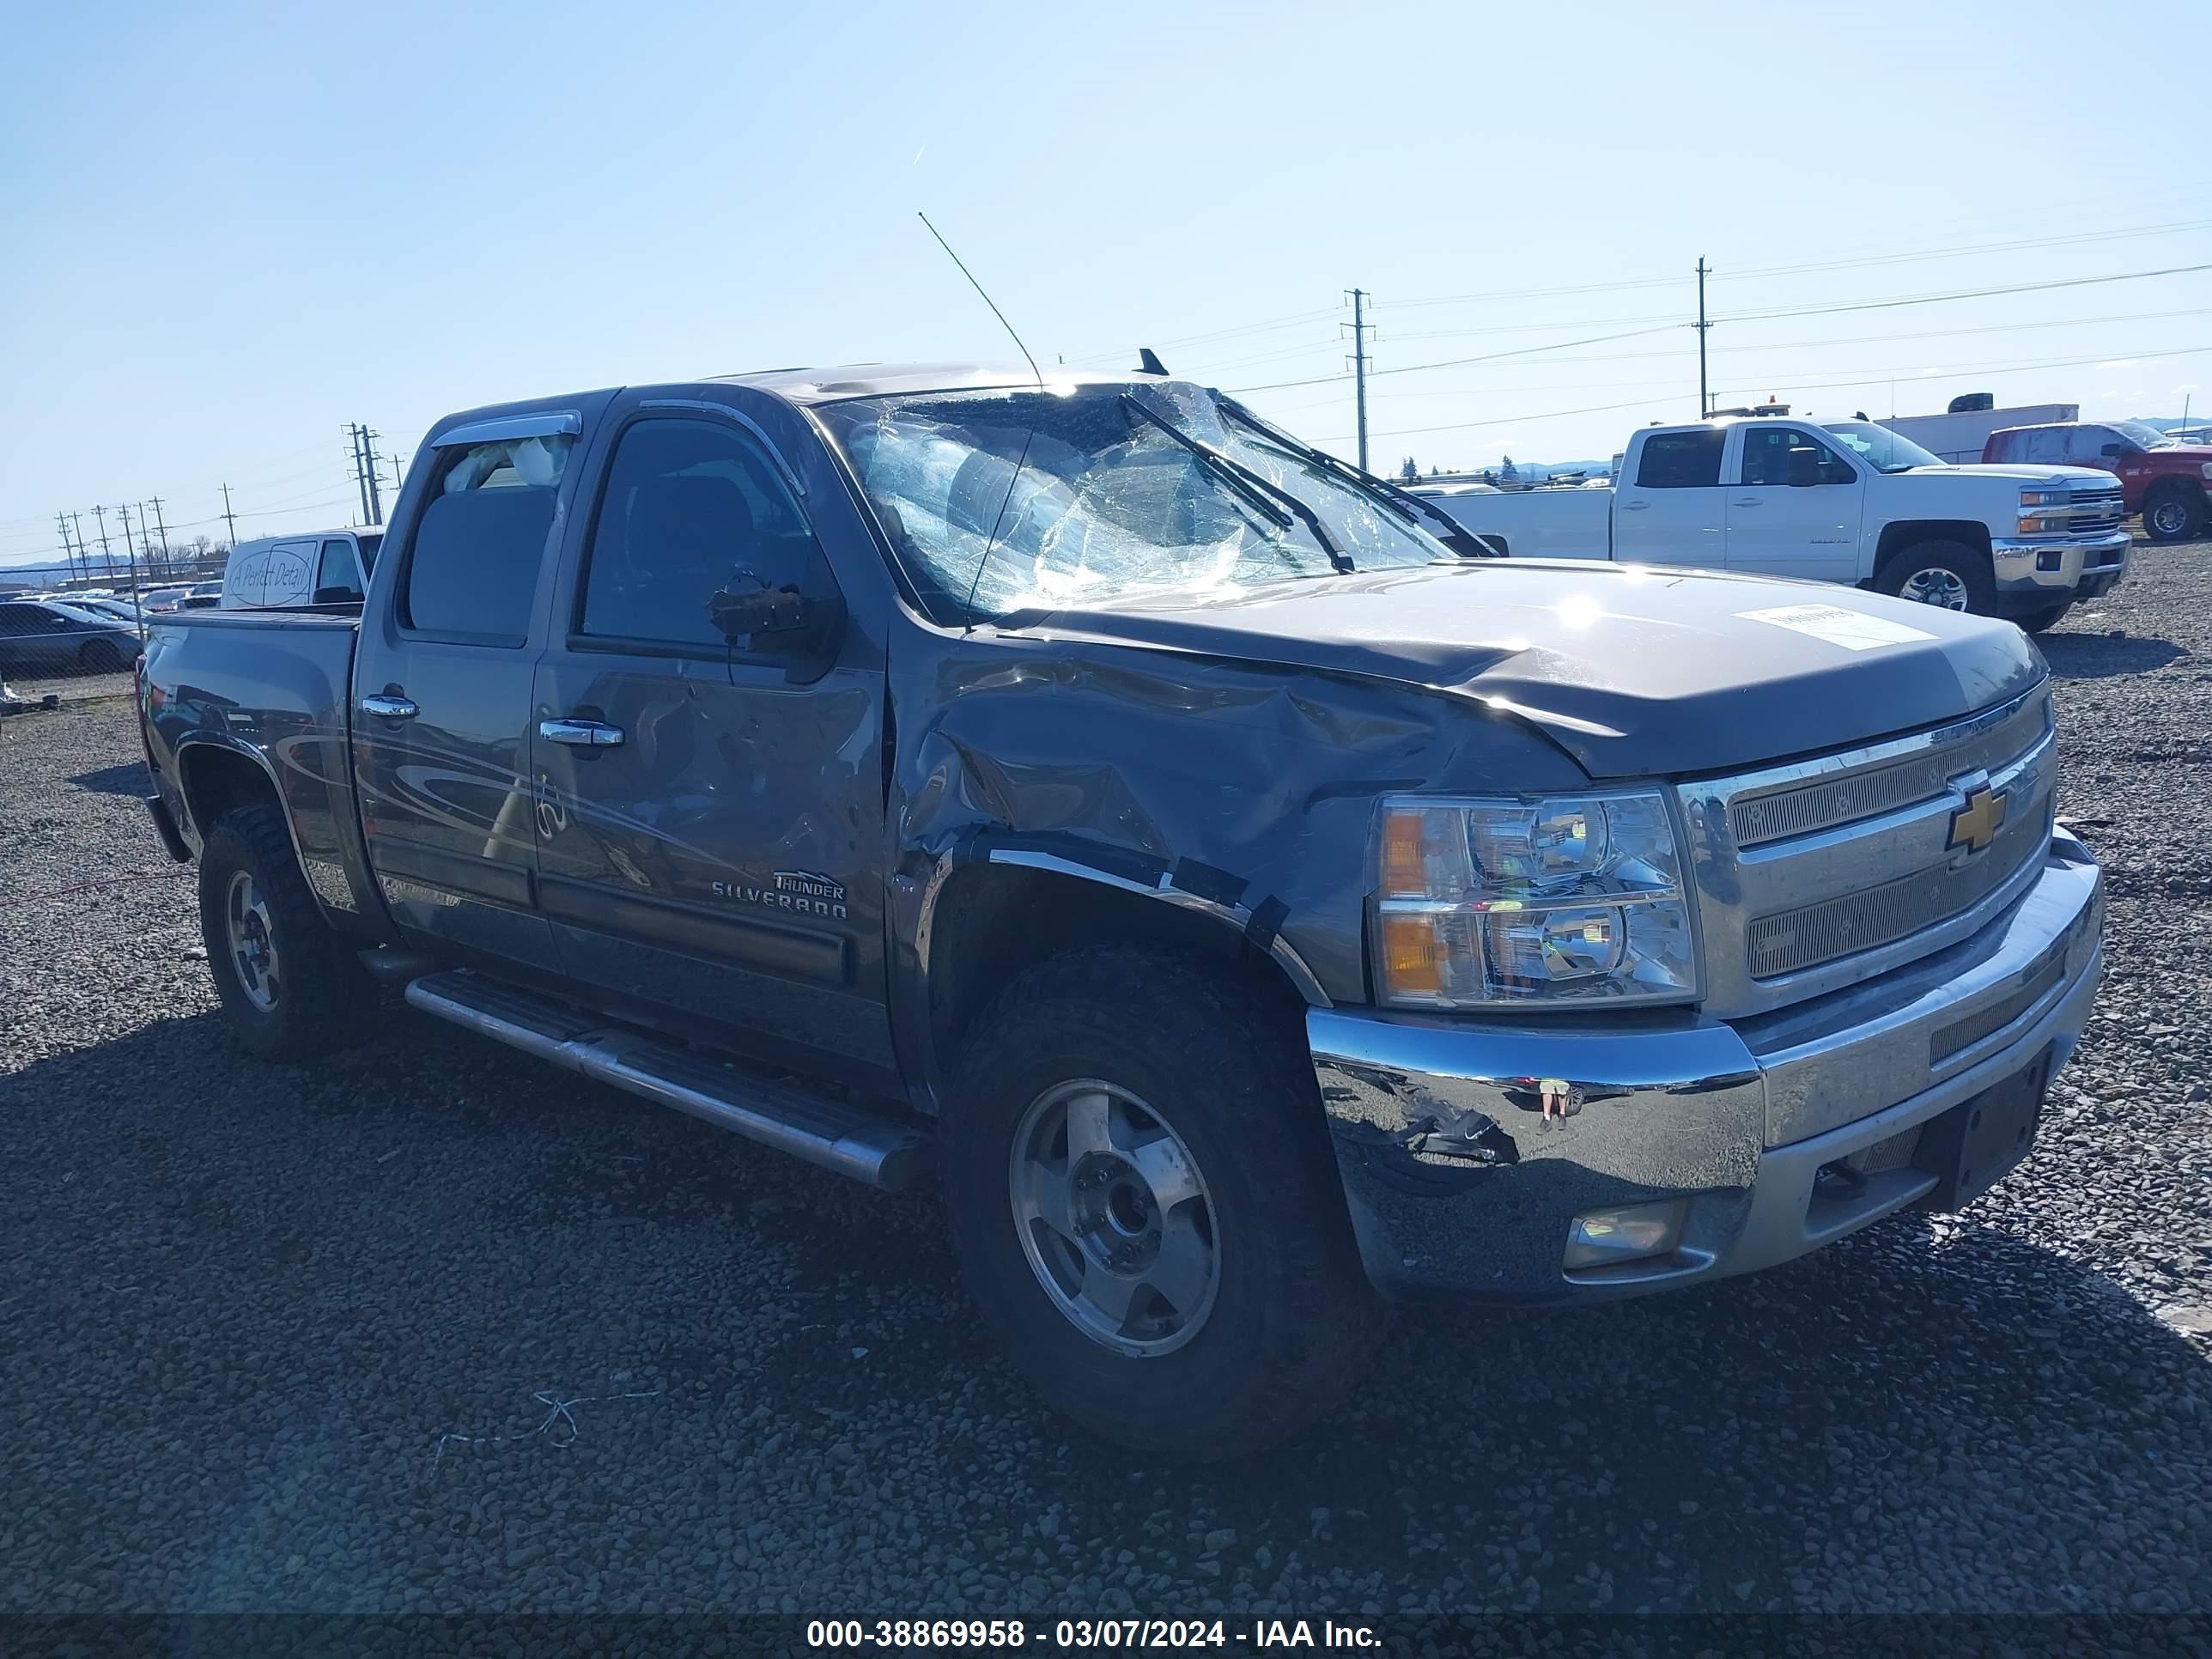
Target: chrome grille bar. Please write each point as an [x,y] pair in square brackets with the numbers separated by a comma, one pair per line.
[1823,804]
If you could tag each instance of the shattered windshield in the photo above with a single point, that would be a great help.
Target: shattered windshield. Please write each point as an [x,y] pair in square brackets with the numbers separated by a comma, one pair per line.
[1886,451]
[1025,498]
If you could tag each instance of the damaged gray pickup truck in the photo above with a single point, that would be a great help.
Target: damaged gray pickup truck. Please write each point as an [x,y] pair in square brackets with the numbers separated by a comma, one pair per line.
[1252,904]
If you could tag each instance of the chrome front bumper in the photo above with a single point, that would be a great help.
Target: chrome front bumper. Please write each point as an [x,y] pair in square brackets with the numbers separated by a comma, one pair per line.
[2085,567]
[1467,1148]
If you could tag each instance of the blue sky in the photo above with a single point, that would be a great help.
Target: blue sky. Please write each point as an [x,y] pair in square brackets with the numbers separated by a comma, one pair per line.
[232,229]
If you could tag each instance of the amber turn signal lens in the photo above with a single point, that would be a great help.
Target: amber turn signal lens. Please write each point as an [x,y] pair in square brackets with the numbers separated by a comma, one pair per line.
[1405,867]
[1412,956]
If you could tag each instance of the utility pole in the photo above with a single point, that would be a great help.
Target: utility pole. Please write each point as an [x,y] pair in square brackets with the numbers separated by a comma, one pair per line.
[137,603]
[368,461]
[77,525]
[1705,398]
[398,476]
[169,559]
[230,517]
[1359,366]
[106,559]
[353,437]
[61,523]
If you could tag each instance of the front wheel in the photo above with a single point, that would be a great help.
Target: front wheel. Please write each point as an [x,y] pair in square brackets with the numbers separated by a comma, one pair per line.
[2175,513]
[1146,1207]
[290,989]
[1950,576]
[2038,621]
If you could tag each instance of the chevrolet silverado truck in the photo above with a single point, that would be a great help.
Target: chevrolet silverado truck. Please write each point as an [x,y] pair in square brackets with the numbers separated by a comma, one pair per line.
[2163,477]
[1834,502]
[1252,907]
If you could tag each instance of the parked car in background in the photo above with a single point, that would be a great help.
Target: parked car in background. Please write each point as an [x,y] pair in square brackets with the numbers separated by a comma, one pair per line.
[119,611]
[1246,902]
[1837,501]
[1959,433]
[45,636]
[327,567]
[2161,477]
[157,600]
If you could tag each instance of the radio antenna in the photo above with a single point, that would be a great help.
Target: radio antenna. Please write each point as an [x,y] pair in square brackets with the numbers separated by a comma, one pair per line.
[986,297]
[976,581]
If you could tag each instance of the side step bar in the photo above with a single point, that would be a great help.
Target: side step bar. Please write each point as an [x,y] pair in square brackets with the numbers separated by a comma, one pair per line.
[852,1141]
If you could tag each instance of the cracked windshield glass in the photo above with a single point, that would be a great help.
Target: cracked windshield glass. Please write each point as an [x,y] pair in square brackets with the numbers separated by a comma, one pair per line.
[1003,501]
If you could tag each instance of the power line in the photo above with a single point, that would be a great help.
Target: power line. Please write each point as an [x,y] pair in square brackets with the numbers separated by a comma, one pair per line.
[2172,227]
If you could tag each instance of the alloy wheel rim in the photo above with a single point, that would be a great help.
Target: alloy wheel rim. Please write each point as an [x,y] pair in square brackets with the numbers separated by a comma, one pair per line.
[1937,586]
[2167,518]
[253,939]
[1114,1217]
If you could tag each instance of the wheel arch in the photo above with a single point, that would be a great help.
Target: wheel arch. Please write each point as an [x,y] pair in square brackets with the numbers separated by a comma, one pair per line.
[1002,911]
[1901,538]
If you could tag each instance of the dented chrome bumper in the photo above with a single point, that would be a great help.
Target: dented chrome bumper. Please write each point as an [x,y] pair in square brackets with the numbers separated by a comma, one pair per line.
[1469,1148]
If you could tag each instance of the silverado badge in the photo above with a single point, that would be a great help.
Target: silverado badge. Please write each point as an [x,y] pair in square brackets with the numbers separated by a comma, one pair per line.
[1975,825]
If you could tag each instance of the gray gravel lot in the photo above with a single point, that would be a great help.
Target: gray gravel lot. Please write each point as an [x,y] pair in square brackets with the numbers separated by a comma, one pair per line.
[284,1337]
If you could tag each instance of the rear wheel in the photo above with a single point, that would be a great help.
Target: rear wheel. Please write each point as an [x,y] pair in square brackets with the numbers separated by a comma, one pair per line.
[1950,576]
[290,988]
[2173,512]
[2037,622]
[1145,1204]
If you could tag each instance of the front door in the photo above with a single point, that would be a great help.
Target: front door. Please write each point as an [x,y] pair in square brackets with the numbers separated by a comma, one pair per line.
[1672,511]
[1794,508]
[711,818]
[441,721]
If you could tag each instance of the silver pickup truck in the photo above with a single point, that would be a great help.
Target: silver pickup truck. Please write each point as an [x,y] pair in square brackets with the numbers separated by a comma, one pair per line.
[1252,904]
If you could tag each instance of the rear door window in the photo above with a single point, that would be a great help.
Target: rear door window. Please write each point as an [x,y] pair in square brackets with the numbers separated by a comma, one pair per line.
[1681,460]
[2044,447]
[472,570]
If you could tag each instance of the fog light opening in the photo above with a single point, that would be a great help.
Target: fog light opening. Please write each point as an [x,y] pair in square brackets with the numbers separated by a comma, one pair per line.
[2049,558]
[1605,1238]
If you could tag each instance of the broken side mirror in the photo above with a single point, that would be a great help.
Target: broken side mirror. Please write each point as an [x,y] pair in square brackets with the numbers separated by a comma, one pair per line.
[783,622]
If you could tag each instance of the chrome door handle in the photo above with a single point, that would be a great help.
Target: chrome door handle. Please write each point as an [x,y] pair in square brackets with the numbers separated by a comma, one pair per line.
[386,706]
[1634,507]
[580,734]
[1746,501]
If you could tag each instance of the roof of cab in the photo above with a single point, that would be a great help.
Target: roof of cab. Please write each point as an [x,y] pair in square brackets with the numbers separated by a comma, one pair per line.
[828,386]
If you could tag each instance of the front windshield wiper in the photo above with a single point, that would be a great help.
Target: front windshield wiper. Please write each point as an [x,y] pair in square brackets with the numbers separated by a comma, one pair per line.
[1248,484]
[1405,505]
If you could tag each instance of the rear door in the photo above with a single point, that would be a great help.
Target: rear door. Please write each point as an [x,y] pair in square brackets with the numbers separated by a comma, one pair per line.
[1795,506]
[1672,511]
[441,716]
[713,819]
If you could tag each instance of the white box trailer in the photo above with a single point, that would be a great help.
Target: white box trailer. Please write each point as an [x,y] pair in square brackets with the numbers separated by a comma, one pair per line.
[1960,434]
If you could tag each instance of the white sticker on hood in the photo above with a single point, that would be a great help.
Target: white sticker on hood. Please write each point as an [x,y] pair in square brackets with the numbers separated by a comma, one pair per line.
[1854,631]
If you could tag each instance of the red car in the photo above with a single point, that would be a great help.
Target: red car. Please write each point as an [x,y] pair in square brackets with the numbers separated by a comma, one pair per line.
[2160,477]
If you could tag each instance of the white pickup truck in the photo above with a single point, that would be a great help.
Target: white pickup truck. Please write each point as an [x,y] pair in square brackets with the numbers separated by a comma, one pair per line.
[1834,501]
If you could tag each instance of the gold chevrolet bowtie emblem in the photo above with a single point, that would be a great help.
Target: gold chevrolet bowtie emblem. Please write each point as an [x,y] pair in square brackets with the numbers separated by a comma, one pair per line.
[1975,825]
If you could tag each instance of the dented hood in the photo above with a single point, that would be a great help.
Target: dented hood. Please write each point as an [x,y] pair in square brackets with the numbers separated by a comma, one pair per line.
[1635,672]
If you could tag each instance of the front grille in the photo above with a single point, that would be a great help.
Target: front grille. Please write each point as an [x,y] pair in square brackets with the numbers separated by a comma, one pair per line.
[1864,921]
[1807,807]
[2095,510]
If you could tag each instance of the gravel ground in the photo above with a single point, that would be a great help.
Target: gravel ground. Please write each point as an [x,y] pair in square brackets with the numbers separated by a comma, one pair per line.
[432,1326]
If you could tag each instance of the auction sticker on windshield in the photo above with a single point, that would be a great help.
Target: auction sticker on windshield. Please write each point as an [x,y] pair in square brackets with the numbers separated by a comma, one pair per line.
[1854,631]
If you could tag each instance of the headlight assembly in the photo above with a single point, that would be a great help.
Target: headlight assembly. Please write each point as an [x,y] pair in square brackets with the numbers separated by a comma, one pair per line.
[1571,898]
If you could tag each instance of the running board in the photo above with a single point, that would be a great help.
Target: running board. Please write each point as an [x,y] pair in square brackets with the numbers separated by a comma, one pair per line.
[849,1139]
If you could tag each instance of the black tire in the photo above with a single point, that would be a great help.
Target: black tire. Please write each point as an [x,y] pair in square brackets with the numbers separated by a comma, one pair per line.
[1969,565]
[1292,1321]
[100,657]
[2173,512]
[319,995]
[2038,621]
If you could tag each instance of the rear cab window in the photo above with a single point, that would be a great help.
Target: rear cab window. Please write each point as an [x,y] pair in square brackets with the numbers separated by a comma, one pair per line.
[479,544]
[1681,460]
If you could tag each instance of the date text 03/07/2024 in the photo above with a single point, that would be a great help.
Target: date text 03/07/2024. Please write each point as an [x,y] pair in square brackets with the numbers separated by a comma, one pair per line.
[1124,1633]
